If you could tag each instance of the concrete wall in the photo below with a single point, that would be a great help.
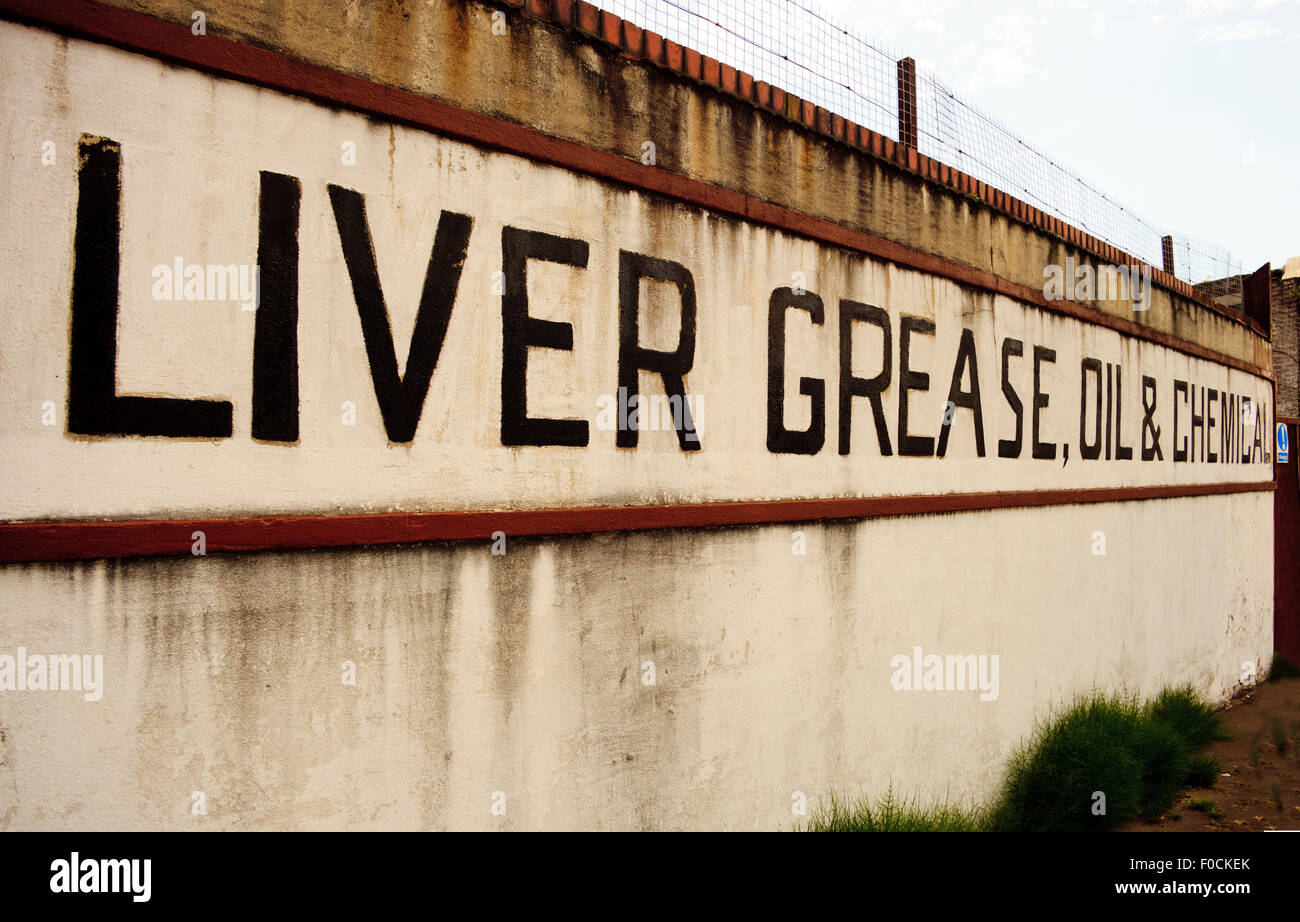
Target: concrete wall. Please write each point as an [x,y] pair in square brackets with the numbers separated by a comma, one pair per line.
[571,84]
[523,674]
[193,146]
[677,678]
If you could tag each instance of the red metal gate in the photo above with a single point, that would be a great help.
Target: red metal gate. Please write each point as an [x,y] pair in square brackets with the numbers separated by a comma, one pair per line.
[1286,550]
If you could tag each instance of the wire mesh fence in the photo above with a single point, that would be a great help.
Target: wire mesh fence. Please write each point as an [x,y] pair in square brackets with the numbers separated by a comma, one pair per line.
[793,45]
[785,43]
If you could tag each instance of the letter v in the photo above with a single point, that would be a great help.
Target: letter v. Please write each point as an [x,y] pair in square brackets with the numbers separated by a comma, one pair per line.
[401,398]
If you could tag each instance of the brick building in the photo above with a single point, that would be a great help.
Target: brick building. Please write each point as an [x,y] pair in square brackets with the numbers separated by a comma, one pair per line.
[1286,336]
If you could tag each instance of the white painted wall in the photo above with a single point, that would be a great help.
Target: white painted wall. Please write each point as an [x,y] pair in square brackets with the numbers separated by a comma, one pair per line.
[520,674]
[192,147]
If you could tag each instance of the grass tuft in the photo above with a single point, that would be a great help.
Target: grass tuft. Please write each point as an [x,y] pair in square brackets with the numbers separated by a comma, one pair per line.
[1139,756]
[1207,806]
[1193,719]
[1092,766]
[1280,739]
[1089,749]
[891,813]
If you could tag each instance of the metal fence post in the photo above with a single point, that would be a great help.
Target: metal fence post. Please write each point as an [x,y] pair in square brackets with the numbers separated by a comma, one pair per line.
[907,102]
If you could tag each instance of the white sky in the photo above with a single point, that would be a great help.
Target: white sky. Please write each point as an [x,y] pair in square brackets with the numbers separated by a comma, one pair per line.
[1159,103]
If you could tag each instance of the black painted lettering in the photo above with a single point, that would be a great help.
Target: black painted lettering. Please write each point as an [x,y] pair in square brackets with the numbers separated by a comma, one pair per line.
[1150,450]
[275,331]
[94,406]
[871,388]
[1256,452]
[1045,451]
[1243,430]
[908,380]
[1090,452]
[1266,435]
[1198,422]
[968,399]
[1180,387]
[1122,452]
[520,331]
[1210,455]
[780,439]
[1227,432]
[1010,448]
[400,397]
[632,356]
[1109,393]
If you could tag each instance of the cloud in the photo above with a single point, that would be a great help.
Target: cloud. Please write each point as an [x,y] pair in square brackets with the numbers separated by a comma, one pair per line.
[1203,9]
[1246,31]
[1008,42]
[1008,29]
[1207,9]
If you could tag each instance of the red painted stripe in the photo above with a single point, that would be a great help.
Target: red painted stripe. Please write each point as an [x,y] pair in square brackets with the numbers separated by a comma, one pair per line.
[214,54]
[38,541]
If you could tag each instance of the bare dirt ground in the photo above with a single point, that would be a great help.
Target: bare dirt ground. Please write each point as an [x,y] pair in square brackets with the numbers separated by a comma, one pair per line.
[1260,766]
